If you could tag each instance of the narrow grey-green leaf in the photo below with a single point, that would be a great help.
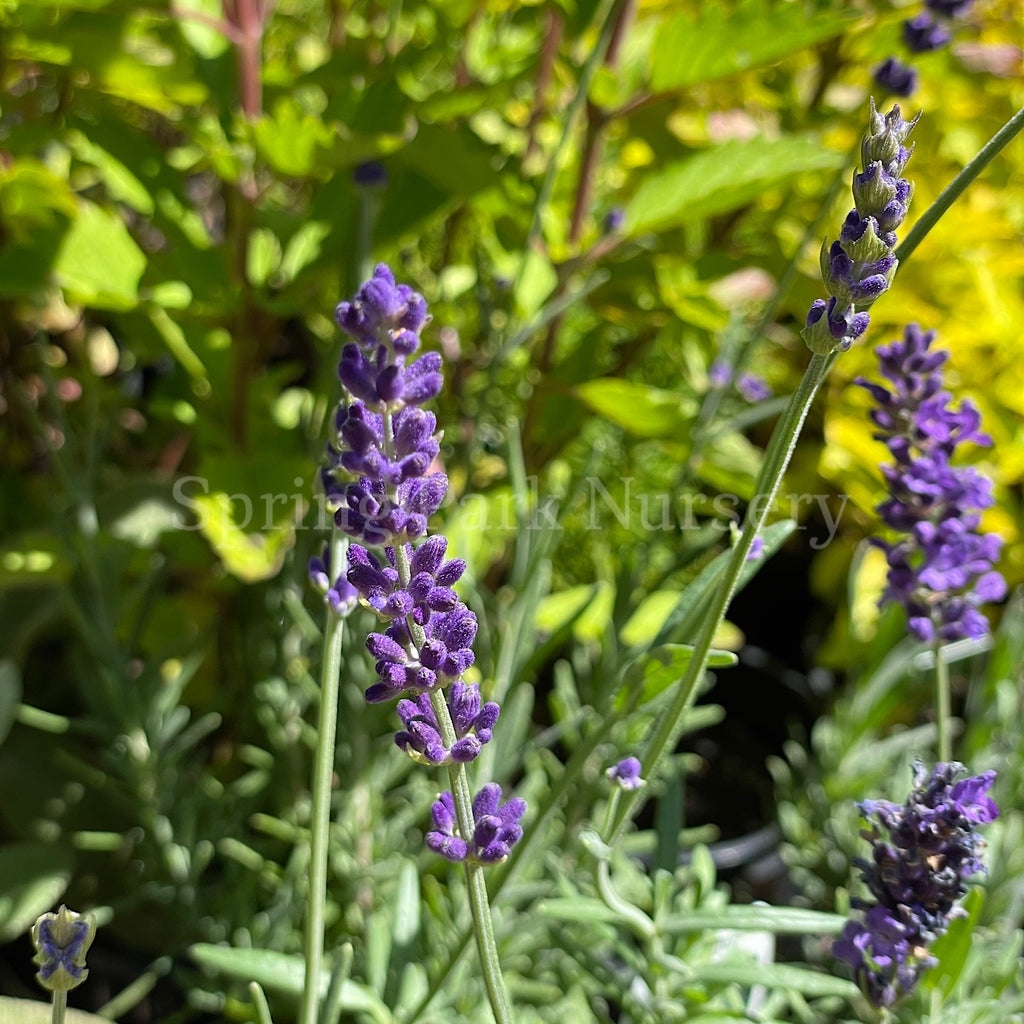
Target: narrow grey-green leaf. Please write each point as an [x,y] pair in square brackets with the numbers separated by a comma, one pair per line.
[748,973]
[778,920]
[33,877]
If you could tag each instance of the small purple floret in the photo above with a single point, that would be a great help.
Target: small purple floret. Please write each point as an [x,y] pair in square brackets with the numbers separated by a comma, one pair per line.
[626,773]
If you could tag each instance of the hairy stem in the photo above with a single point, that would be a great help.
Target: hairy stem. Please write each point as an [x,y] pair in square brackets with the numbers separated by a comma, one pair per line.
[942,705]
[780,450]
[323,773]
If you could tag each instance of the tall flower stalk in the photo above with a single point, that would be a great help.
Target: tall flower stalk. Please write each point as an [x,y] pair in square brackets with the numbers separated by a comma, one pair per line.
[856,268]
[378,478]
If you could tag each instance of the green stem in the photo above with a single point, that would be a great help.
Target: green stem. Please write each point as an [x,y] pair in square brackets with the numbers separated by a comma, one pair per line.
[479,904]
[942,705]
[583,87]
[953,190]
[780,450]
[60,1004]
[323,773]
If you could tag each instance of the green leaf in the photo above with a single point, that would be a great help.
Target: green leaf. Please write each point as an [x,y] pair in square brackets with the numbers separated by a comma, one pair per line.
[121,184]
[98,263]
[33,876]
[577,908]
[289,140]
[785,976]
[720,41]
[282,973]
[536,282]
[746,918]
[249,556]
[10,696]
[723,178]
[262,257]
[664,667]
[952,949]
[638,408]
[31,1011]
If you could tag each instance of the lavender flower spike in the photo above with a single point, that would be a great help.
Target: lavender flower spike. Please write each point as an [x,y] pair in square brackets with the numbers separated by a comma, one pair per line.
[943,568]
[858,267]
[380,482]
[923,853]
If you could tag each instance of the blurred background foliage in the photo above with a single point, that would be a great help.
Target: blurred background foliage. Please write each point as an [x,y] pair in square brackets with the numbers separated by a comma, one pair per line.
[598,200]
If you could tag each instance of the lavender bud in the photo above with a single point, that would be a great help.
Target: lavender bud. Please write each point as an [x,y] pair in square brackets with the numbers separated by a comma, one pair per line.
[626,773]
[62,941]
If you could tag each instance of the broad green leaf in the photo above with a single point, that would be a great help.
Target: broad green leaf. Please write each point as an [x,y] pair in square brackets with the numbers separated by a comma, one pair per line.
[31,194]
[282,973]
[638,408]
[263,256]
[10,695]
[778,920]
[720,41]
[249,556]
[289,139]
[302,248]
[121,184]
[33,877]
[952,949]
[98,263]
[664,667]
[535,283]
[786,976]
[723,178]
[556,611]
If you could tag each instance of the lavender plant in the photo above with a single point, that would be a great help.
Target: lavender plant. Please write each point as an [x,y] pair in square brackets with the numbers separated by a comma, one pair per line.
[378,478]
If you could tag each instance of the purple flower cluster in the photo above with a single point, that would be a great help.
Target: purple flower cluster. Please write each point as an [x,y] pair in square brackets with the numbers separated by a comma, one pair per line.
[378,478]
[929,30]
[943,568]
[858,267]
[922,855]
[496,828]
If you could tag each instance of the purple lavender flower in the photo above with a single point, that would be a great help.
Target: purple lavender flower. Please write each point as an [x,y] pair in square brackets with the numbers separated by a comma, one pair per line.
[943,568]
[473,721]
[336,590]
[923,34]
[626,773]
[858,267]
[753,388]
[370,174]
[923,853]
[720,374]
[379,481]
[496,829]
[895,77]
[62,941]
[614,220]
